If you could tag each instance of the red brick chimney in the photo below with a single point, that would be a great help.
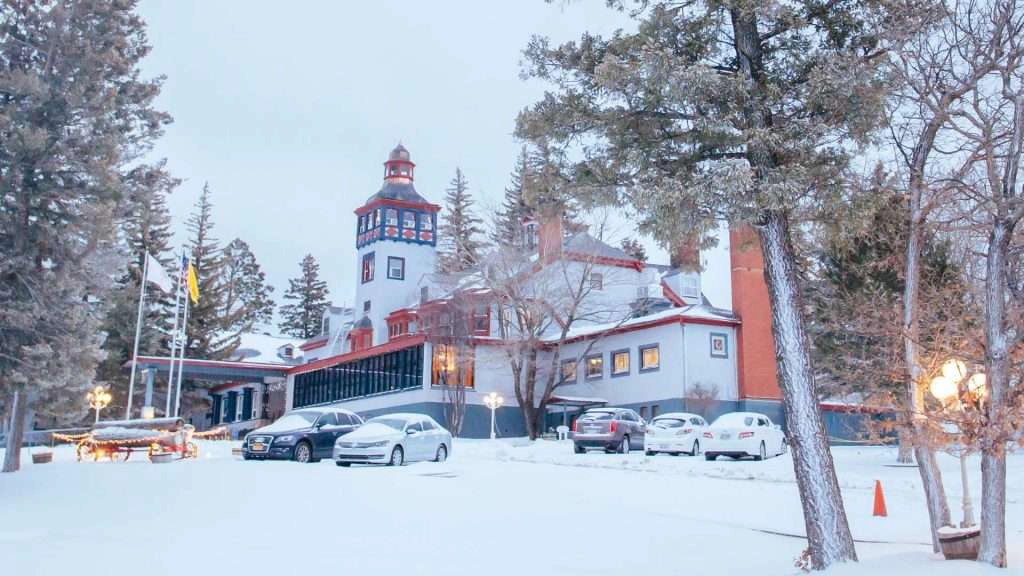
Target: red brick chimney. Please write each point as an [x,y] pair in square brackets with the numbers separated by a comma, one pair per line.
[686,255]
[549,238]
[755,346]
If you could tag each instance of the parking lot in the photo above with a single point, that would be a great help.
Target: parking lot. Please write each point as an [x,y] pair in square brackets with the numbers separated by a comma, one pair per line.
[501,507]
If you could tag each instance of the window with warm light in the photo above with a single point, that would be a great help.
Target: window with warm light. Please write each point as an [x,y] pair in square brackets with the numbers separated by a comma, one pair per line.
[650,358]
[620,363]
[451,366]
[595,367]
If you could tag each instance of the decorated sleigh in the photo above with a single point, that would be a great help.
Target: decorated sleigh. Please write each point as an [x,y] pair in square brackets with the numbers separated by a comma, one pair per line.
[161,439]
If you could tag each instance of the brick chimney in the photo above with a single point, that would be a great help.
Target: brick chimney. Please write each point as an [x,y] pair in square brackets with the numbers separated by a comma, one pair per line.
[685,254]
[755,346]
[549,238]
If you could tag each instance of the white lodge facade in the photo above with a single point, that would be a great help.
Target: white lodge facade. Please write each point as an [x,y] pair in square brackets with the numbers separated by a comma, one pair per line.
[655,338]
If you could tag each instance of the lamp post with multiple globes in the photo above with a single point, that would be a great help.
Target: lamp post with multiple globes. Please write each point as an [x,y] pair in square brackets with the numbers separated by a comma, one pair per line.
[493,401]
[946,388]
[98,399]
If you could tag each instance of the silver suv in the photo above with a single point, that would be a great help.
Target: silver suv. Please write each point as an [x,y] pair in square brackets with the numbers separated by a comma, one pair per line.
[610,429]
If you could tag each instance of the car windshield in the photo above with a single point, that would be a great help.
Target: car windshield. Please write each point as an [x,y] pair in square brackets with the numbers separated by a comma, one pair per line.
[390,422]
[668,423]
[293,421]
[733,420]
[597,416]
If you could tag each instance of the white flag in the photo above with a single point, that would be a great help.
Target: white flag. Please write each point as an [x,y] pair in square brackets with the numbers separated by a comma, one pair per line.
[156,274]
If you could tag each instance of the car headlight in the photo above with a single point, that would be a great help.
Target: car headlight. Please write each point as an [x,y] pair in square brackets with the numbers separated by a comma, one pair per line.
[376,444]
[284,439]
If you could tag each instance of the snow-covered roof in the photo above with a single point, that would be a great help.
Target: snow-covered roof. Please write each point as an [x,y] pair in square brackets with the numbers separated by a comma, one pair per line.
[584,243]
[695,312]
[263,349]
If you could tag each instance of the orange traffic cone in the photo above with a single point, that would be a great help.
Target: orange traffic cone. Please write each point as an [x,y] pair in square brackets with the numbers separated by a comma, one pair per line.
[879,500]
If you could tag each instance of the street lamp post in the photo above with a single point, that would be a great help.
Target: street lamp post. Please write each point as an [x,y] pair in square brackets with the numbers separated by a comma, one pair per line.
[946,388]
[98,399]
[493,401]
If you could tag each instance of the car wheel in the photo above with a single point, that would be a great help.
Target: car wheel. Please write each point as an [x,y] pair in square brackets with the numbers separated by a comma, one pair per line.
[245,456]
[650,452]
[624,449]
[442,453]
[710,457]
[343,464]
[397,456]
[578,449]
[696,448]
[674,453]
[761,455]
[303,452]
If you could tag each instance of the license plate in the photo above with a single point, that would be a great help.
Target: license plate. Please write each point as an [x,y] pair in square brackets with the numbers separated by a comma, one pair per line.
[258,447]
[724,436]
[592,430]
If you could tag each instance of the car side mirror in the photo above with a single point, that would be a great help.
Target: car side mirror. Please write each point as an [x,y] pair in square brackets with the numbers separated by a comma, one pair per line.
[410,431]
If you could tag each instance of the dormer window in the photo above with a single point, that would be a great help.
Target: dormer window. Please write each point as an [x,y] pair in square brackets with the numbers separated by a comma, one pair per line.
[327,326]
[408,219]
[287,352]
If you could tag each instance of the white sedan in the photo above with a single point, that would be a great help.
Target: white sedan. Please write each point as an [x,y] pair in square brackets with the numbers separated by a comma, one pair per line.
[394,439]
[742,434]
[674,432]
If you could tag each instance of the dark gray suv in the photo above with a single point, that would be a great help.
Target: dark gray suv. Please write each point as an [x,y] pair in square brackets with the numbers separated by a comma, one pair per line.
[610,429]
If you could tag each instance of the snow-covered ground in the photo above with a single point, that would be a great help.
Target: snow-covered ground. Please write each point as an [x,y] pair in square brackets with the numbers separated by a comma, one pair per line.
[495,508]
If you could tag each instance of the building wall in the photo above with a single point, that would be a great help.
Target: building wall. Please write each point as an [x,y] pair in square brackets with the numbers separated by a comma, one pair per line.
[385,294]
[701,367]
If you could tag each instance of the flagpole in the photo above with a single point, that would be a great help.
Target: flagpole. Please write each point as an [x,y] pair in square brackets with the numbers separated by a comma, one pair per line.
[138,329]
[174,335]
[181,356]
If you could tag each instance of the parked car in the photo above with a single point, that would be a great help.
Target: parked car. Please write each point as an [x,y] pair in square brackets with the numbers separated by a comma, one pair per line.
[675,433]
[610,429]
[394,439]
[305,435]
[742,434]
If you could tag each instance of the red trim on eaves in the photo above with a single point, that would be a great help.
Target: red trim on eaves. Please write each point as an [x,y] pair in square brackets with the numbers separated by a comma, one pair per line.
[671,295]
[605,260]
[396,204]
[313,344]
[389,346]
[653,323]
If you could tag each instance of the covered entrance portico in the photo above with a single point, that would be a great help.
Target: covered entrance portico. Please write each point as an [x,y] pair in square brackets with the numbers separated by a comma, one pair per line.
[563,410]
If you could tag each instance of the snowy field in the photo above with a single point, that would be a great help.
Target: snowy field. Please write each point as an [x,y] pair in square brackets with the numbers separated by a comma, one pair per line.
[495,508]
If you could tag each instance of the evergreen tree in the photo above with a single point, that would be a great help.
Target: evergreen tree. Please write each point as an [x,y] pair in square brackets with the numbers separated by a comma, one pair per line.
[514,211]
[460,230]
[212,331]
[145,225]
[247,295]
[634,248]
[75,117]
[308,293]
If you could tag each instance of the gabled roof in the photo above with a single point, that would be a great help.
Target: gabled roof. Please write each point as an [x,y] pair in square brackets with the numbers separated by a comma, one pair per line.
[584,243]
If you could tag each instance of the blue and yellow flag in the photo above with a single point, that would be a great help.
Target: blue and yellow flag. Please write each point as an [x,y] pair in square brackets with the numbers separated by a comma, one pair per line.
[193,283]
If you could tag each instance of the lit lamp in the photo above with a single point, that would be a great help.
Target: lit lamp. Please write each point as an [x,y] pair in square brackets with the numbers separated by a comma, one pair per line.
[493,401]
[148,412]
[946,388]
[98,399]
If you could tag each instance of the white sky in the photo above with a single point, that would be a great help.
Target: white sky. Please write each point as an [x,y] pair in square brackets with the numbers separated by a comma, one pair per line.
[290,112]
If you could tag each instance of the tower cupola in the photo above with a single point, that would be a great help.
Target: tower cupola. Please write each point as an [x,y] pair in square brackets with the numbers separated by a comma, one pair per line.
[398,166]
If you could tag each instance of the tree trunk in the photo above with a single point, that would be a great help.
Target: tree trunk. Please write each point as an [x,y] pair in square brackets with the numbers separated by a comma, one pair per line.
[906,450]
[993,449]
[12,457]
[927,466]
[828,532]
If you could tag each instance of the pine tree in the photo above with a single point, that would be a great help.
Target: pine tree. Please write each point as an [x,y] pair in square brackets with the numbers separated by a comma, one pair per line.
[514,211]
[634,248]
[460,230]
[76,118]
[212,333]
[247,295]
[309,293]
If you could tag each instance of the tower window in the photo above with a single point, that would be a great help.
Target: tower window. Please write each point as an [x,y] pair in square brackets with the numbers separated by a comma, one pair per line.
[408,219]
[368,267]
[426,222]
[391,217]
[362,223]
[424,294]
[396,268]
[366,306]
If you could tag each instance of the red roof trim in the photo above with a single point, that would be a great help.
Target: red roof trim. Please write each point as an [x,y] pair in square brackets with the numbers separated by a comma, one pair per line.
[389,346]
[606,260]
[313,344]
[671,295]
[396,204]
[654,323]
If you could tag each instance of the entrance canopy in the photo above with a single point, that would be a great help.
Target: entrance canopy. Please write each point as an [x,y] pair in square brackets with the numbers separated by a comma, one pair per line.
[214,370]
[576,402]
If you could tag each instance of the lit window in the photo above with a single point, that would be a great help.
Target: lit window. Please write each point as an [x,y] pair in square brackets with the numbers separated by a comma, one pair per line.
[569,370]
[620,363]
[451,366]
[596,281]
[408,219]
[396,268]
[595,366]
[650,358]
[426,222]
[367,267]
[391,217]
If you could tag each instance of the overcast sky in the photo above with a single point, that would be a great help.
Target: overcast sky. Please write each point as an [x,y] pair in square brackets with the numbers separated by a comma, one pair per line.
[289,113]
